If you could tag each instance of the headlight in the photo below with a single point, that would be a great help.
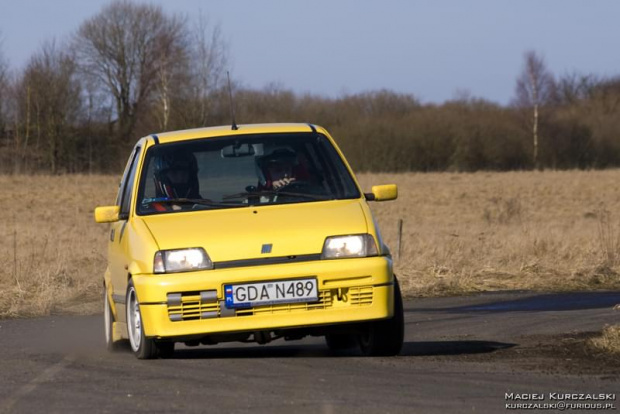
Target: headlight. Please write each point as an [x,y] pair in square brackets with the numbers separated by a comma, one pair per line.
[182,260]
[359,245]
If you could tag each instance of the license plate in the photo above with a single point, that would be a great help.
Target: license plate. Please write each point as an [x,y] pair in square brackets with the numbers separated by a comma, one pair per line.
[268,293]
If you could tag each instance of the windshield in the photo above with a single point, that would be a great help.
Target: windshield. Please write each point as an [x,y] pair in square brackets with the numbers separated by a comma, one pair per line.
[242,171]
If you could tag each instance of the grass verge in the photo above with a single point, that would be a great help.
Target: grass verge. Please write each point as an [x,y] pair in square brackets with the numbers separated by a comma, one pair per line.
[608,342]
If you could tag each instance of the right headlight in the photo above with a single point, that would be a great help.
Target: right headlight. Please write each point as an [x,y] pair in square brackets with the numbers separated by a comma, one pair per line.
[356,245]
[181,260]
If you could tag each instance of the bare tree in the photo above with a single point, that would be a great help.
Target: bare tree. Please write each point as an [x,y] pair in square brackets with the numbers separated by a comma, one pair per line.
[3,86]
[210,58]
[48,96]
[574,88]
[4,103]
[172,68]
[122,47]
[3,68]
[163,87]
[535,88]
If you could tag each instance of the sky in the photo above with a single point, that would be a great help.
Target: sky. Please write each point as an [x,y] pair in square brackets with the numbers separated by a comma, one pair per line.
[436,50]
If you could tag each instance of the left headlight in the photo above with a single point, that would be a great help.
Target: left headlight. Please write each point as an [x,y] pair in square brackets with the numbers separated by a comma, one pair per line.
[357,245]
[181,260]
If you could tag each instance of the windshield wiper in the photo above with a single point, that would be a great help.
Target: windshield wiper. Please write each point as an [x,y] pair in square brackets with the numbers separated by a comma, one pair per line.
[275,192]
[310,196]
[199,201]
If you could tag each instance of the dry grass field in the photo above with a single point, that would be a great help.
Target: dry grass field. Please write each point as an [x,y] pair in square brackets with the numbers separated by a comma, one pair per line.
[52,251]
[461,233]
[516,230]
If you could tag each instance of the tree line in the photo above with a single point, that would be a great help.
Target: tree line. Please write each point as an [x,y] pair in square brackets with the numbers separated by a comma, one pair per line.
[79,105]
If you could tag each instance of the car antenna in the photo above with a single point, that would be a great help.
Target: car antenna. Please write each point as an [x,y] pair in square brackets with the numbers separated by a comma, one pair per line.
[232,107]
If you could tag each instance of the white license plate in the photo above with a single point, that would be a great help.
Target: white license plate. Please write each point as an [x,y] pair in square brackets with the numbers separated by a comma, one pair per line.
[268,293]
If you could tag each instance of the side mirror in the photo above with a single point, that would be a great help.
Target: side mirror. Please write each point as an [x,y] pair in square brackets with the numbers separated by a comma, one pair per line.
[382,193]
[107,214]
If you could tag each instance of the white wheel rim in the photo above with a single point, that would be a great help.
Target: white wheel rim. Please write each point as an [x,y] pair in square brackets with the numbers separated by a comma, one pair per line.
[134,322]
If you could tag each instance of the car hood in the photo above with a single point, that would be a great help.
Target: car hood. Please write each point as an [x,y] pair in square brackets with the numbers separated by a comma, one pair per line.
[240,233]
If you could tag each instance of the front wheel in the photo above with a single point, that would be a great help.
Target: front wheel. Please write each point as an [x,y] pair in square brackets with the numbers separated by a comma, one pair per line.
[142,347]
[385,337]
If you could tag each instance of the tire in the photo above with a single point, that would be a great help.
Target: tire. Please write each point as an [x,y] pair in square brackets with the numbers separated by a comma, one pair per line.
[340,342]
[108,321]
[165,349]
[142,347]
[385,337]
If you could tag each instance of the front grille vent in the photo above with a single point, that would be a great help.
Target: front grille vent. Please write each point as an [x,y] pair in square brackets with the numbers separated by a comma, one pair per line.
[188,306]
[324,302]
[361,296]
[192,306]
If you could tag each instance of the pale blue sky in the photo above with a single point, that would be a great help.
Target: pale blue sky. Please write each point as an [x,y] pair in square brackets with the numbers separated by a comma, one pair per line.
[431,49]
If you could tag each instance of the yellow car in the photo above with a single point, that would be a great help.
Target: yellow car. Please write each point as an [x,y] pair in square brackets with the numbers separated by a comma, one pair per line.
[250,233]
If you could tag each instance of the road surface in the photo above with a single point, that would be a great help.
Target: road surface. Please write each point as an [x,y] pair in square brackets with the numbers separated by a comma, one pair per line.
[461,354]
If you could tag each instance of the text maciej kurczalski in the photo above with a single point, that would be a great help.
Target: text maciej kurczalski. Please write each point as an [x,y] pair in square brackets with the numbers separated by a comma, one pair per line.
[559,396]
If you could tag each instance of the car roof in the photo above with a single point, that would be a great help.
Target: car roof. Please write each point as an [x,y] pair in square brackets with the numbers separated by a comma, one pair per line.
[226,130]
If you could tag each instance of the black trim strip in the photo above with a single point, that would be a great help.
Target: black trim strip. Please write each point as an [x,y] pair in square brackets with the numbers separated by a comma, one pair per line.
[267,261]
[155,138]
[312,128]
[123,230]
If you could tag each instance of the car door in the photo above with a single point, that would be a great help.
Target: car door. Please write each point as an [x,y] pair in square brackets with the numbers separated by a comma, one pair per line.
[117,246]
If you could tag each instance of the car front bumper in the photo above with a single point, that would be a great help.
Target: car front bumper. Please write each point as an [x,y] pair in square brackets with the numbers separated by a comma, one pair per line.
[350,290]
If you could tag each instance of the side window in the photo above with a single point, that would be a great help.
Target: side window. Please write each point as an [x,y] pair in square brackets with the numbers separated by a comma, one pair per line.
[127,184]
[121,185]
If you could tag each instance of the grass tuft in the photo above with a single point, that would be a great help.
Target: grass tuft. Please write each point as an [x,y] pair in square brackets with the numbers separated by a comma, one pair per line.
[608,342]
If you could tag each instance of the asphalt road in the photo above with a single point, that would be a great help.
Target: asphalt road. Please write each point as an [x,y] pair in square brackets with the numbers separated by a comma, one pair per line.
[460,355]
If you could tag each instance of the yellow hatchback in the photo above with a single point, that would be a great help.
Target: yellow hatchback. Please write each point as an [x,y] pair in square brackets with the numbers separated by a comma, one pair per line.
[248,234]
